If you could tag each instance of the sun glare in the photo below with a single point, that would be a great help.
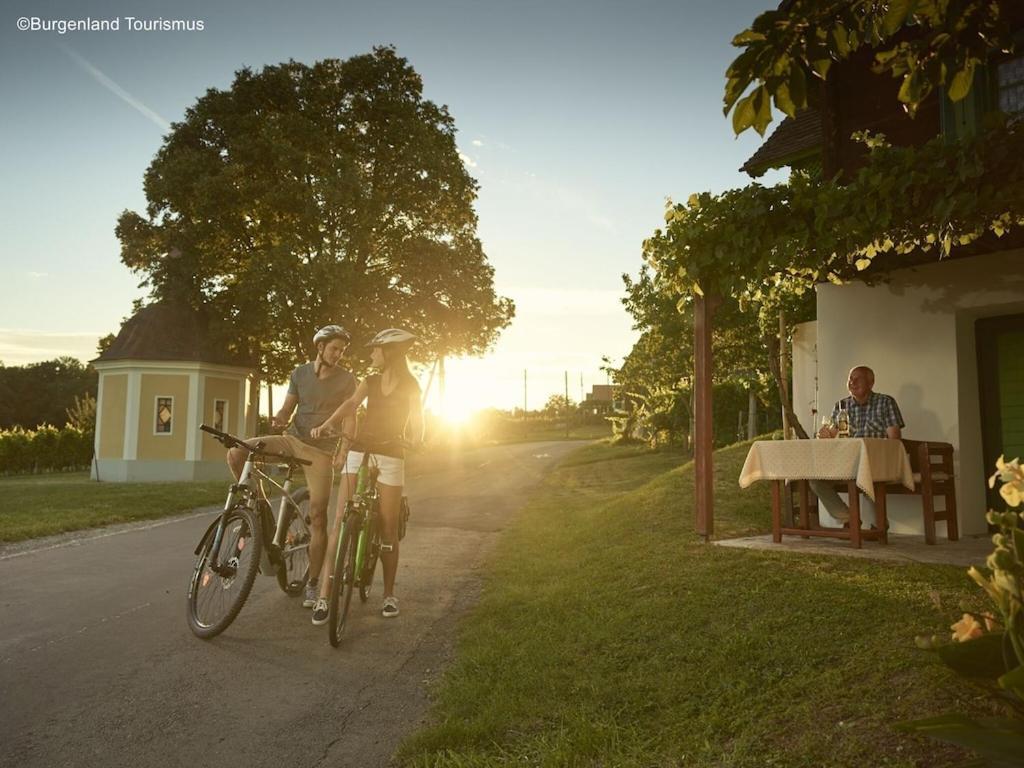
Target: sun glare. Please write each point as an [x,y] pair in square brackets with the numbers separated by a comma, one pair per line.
[458,413]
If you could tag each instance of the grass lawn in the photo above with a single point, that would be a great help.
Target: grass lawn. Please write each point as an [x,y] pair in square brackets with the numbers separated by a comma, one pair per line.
[608,634]
[41,505]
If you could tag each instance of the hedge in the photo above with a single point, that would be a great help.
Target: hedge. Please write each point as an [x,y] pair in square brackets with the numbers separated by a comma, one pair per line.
[45,449]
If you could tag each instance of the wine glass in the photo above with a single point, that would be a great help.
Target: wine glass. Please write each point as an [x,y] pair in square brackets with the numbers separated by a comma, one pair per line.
[826,423]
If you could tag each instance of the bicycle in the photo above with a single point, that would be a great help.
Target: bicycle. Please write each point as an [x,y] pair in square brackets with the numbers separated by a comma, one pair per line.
[233,547]
[359,546]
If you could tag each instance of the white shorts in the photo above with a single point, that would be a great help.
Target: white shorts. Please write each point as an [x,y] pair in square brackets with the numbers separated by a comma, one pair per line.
[392,470]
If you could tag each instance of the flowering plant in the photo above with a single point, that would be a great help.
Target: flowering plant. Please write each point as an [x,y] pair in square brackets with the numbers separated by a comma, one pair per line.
[980,637]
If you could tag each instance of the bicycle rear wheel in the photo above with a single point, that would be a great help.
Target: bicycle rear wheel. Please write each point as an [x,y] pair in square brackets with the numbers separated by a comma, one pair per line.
[293,573]
[342,581]
[215,598]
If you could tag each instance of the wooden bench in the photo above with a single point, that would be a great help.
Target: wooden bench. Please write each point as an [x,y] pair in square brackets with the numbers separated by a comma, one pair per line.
[932,465]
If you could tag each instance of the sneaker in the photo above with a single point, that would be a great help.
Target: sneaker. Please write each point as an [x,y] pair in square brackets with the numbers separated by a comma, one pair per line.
[320,612]
[390,609]
[310,595]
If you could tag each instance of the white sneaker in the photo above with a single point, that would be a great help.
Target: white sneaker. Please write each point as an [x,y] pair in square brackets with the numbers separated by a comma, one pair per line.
[320,612]
[310,595]
[390,609]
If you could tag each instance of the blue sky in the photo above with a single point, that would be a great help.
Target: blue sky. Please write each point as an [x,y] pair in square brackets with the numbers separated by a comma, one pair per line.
[577,118]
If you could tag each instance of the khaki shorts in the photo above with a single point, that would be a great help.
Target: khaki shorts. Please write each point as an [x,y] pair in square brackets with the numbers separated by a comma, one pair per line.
[318,475]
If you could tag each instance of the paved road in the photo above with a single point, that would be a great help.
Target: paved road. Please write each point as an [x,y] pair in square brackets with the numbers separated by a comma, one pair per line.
[98,668]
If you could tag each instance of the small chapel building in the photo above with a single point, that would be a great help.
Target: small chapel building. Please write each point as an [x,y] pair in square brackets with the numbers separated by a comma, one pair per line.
[158,381]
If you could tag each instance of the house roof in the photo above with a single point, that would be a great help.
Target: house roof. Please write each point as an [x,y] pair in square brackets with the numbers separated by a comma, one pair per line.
[795,137]
[169,331]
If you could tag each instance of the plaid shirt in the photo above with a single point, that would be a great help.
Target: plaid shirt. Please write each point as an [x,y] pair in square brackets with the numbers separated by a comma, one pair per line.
[872,418]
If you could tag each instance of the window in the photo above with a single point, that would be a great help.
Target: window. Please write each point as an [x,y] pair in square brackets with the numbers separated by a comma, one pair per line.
[220,415]
[1010,85]
[164,416]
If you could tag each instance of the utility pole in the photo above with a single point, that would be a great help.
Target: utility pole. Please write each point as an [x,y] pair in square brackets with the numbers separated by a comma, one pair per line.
[567,404]
[524,394]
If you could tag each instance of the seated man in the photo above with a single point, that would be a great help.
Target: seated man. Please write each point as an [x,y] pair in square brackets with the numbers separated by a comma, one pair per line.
[871,414]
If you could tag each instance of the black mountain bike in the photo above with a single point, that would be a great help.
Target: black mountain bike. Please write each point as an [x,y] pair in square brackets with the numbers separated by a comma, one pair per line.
[245,539]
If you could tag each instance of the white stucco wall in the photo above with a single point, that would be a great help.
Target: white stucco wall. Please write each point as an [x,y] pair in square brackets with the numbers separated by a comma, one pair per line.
[917,332]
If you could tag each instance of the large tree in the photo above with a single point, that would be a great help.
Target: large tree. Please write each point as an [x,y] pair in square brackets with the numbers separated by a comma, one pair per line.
[310,194]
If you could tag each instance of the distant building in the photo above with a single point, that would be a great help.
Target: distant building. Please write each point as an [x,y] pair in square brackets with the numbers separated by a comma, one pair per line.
[158,381]
[600,399]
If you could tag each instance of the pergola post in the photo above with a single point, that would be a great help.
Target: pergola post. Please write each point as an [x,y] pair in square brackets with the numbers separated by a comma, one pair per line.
[704,477]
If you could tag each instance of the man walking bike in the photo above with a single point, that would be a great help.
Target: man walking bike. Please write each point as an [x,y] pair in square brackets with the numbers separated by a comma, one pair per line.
[315,391]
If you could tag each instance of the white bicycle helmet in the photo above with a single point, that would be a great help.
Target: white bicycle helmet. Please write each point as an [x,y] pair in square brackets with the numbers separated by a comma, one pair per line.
[329,332]
[391,336]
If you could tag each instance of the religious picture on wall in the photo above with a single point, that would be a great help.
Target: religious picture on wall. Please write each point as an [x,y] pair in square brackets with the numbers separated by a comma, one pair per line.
[220,415]
[164,414]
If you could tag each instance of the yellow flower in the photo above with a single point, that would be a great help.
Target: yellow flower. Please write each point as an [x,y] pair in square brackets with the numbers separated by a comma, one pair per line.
[980,579]
[1012,493]
[967,628]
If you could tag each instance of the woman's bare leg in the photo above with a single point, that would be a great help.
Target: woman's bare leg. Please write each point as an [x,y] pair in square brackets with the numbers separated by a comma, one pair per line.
[390,504]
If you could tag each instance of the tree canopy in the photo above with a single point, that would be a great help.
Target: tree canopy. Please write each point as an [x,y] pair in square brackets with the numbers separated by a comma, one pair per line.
[787,53]
[304,195]
[42,393]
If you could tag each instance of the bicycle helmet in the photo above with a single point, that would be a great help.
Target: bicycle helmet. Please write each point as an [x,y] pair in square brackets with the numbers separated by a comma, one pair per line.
[391,336]
[329,332]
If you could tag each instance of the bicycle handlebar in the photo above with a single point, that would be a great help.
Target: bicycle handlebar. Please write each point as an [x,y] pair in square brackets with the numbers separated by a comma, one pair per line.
[230,441]
[400,442]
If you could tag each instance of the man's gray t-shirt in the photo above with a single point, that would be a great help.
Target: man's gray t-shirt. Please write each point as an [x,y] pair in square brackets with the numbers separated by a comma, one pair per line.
[318,399]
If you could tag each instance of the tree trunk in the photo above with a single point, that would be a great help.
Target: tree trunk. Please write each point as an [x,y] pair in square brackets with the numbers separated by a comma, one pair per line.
[784,378]
[772,342]
[751,414]
[253,410]
[703,307]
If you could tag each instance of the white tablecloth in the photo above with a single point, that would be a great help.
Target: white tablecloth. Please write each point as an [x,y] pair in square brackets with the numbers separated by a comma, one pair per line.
[866,460]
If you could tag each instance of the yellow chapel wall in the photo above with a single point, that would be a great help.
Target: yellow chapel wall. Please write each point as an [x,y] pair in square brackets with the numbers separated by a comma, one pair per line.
[115,407]
[169,445]
[221,388]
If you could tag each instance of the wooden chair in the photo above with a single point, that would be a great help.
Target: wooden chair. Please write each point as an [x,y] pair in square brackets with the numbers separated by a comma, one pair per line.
[932,465]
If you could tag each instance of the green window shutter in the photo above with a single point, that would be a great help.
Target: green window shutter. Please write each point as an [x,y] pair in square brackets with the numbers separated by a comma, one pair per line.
[961,119]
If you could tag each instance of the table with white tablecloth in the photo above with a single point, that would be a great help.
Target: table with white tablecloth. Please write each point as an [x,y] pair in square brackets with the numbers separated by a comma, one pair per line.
[864,464]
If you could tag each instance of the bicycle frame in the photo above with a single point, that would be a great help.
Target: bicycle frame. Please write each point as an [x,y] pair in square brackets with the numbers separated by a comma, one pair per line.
[359,511]
[246,491]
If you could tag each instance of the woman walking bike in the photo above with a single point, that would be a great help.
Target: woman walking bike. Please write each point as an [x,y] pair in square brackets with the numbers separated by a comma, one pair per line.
[393,414]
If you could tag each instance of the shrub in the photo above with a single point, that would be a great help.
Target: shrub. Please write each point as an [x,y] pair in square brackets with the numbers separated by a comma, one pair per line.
[46,449]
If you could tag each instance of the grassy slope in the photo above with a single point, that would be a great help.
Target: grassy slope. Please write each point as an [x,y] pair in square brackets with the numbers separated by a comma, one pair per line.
[608,634]
[41,505]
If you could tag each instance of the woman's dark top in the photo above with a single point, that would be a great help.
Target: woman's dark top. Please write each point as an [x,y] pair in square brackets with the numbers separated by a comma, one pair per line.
[386,416]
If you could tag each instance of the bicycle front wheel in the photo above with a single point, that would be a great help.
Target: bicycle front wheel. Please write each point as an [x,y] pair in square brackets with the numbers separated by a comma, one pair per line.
[342,581]
[371,557]
[216,596]
[293,573]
